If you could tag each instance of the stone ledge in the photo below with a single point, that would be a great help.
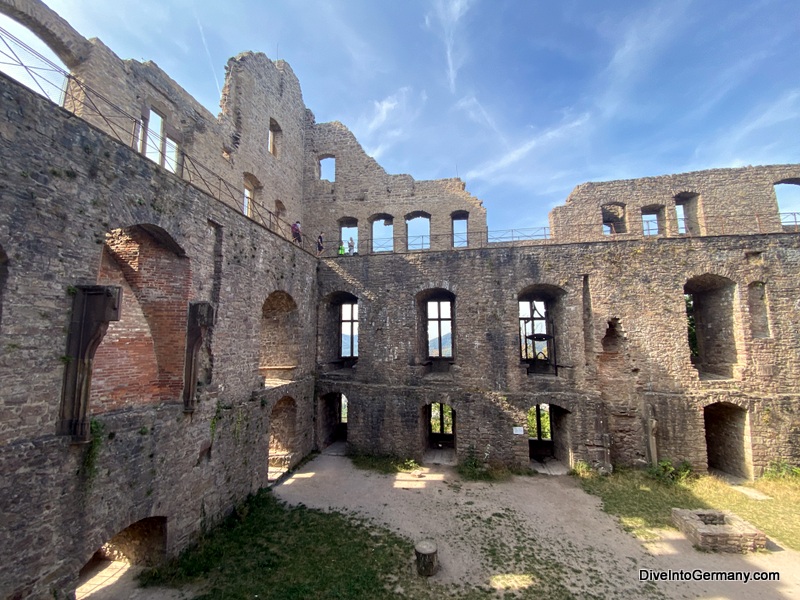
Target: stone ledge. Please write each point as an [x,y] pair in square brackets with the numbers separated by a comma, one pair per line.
[718,531]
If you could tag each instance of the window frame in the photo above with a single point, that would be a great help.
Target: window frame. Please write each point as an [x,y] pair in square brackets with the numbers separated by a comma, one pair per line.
[544,361]
[439,301]
[352,320]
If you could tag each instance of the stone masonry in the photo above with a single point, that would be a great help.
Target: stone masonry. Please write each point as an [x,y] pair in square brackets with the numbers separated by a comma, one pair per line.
[166,349]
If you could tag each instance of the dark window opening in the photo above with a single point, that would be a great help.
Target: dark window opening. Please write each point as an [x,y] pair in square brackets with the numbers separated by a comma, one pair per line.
[727,429]
[537,336]
[332,419]
[441,425]
[613,218]
[710,301]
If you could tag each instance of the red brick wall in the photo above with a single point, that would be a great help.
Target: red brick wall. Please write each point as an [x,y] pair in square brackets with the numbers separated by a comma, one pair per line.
[141,358]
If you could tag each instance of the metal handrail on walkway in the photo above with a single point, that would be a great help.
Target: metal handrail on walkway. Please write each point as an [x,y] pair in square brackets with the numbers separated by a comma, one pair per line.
[61,87]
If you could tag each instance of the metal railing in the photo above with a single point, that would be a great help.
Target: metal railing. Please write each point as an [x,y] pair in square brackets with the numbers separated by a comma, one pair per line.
[38,73]
[35,71]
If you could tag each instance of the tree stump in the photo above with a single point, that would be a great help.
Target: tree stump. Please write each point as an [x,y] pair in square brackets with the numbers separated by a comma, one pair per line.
[427,558]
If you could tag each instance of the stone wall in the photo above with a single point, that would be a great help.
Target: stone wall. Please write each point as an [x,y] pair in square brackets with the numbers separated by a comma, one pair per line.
[621,334]
[716,202]
[67,190]
[82,205]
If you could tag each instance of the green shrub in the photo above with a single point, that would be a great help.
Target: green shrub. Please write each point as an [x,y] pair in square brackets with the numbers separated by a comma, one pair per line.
[781,469]
[666,472]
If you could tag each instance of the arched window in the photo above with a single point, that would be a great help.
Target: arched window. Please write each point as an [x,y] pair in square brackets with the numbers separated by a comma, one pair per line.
[418,230]
[382,226]
[348,234]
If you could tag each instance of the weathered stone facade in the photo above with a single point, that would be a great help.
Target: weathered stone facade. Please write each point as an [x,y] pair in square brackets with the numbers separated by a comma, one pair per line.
[166,349]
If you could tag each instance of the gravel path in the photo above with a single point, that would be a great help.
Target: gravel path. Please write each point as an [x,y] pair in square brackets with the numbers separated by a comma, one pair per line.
[500,535]
[485,531]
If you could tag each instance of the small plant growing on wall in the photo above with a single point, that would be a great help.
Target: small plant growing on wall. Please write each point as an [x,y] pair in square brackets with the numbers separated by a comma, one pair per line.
[89,466]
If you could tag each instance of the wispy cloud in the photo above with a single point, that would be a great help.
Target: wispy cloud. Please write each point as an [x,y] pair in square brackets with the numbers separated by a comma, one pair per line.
[478,113]
[642,39]
[448,14]
[389,120]
[208,54]
[757,135]
[493,167]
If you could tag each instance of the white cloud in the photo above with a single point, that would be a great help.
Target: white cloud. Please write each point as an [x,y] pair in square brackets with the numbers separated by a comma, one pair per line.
[448,15]
[758,136]
[477,113]
[641,40]
[493,168]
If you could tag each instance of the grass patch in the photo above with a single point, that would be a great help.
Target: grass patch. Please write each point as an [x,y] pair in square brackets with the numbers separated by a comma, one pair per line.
[643,503]
[268,550]
[384,464]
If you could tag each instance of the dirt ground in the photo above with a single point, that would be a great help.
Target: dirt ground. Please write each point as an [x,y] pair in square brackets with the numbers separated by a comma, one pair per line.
[549,516]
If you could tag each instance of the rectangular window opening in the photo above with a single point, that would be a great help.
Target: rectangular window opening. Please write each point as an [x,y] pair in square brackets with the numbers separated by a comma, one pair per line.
[349,330]
[154,138]
[460,239]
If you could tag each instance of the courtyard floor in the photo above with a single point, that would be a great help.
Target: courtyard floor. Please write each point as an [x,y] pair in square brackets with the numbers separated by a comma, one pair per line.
[550,516]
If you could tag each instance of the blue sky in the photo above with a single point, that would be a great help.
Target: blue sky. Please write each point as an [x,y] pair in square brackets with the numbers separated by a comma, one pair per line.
[523,100]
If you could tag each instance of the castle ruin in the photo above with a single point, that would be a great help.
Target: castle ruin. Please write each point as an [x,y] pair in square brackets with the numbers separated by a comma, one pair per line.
[167,348]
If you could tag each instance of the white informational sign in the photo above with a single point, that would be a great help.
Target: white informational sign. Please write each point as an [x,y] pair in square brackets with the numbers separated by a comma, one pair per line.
[518,430]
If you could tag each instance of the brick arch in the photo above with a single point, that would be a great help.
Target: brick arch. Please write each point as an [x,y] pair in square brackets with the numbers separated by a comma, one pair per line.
[141,358]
